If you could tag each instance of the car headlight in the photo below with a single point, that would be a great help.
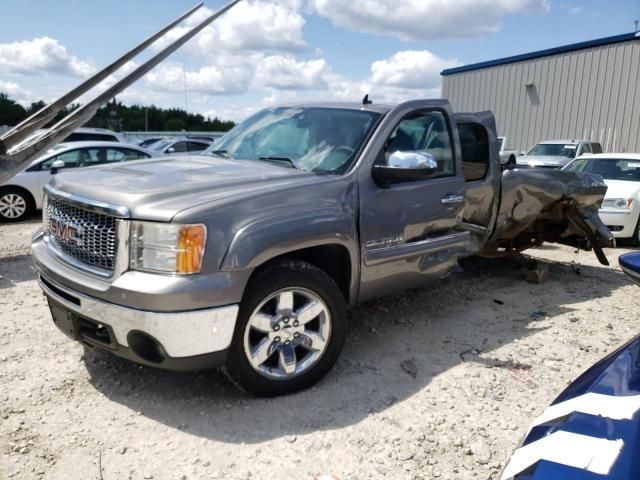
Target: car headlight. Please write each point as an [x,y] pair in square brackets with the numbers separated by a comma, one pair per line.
[167,247]
[619,203]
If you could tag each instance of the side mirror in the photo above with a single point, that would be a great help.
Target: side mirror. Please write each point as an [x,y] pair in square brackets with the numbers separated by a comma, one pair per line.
[55,166]
[171,150]
[406,167]
[521,154]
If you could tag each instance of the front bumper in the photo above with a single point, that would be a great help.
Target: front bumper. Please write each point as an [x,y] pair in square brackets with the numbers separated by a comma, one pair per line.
[175,341]
[622,223]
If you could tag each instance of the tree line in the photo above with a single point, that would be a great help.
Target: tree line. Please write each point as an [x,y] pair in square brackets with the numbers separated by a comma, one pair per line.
[119,117]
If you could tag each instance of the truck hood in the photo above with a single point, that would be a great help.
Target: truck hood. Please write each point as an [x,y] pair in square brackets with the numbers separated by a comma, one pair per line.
[543,160]
[158,189]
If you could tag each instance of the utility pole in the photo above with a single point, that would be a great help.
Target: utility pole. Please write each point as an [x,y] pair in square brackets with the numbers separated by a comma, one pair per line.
[635,22]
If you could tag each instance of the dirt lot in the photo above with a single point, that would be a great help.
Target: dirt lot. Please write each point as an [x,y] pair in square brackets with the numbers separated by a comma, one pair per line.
[435,382]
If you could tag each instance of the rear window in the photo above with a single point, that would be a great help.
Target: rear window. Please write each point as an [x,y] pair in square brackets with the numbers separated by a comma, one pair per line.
[91,137]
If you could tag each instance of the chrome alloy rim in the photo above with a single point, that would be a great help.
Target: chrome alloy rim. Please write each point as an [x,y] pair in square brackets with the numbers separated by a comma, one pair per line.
[12,205]
[287,334]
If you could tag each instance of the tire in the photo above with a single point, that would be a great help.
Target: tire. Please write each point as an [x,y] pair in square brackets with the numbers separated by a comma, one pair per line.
[15,204]
[291,328]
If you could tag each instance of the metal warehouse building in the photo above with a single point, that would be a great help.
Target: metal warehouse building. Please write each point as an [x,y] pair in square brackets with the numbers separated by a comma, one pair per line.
[586,90]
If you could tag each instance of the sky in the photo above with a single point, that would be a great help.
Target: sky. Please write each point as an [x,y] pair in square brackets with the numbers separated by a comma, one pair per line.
[267,52]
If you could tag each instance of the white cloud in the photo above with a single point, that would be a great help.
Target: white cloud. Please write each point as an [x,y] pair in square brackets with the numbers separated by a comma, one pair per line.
[40,55]
[228,76]
[424,19]
[258,26]
[417,69]
[16,92]
[285,73]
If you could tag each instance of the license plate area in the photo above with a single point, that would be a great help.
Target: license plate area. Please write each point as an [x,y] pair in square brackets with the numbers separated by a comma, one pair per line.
[80,328]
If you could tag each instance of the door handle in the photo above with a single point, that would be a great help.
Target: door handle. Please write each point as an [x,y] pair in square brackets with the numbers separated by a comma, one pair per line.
[451,199]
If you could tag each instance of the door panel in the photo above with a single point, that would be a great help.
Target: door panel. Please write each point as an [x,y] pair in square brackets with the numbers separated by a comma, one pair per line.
[409,231]
[482,171]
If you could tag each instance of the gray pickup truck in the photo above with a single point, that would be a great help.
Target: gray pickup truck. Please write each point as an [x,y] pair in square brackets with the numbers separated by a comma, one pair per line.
[248,257]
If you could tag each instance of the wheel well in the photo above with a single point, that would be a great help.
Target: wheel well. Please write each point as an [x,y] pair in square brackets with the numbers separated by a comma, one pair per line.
[23,190]
[334,260]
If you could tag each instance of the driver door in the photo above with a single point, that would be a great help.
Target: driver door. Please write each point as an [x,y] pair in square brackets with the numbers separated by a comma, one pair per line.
[410,228]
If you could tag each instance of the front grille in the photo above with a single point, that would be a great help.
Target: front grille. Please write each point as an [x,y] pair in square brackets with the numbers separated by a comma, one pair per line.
[82,234]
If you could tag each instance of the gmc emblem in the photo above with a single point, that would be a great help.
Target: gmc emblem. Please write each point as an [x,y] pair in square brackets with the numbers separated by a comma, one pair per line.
[65,232]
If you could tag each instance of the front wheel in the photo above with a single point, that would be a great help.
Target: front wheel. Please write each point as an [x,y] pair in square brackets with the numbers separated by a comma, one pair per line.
[290,330]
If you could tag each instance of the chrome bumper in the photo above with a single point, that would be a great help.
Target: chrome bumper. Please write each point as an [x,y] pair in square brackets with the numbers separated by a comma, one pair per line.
[184,334]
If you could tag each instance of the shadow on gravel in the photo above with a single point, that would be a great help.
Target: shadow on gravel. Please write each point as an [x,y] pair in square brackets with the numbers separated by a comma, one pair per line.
[16,269]
[422,332]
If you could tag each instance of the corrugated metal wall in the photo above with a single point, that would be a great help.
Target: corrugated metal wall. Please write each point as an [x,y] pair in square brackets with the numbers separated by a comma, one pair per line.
[592,93]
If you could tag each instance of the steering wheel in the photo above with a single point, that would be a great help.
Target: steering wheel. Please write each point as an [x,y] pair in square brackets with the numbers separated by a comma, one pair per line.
[344,148]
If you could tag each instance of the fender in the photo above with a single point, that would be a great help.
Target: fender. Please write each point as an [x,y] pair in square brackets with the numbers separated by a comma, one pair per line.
[268,238]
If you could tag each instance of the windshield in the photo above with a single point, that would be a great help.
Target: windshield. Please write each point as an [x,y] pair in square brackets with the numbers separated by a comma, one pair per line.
[608,168]
[310,138]
[554,150]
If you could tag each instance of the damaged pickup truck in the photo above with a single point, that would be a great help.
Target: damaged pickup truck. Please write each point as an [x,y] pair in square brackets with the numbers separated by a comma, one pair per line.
[249,256]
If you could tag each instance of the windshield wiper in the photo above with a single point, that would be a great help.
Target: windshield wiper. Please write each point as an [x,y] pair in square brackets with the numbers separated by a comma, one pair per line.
[221,153]
[291,162]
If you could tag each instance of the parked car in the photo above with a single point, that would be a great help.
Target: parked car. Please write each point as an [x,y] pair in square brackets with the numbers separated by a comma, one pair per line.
[621,206]
[592,429]
[249,257]
[179,145]
[23,193]
[556,153]
[507,157]
[94,135]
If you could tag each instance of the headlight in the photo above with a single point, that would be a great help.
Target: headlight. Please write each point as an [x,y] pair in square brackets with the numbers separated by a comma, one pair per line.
[167,248]
[619,203]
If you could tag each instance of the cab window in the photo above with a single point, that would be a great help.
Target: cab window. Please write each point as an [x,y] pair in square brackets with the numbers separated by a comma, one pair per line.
[424,132]
[474,143]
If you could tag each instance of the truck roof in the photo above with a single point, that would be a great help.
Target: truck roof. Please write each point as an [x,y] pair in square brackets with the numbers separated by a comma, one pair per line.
[371,107]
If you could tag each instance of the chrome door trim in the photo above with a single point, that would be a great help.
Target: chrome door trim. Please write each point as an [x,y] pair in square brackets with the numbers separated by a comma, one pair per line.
[423,247]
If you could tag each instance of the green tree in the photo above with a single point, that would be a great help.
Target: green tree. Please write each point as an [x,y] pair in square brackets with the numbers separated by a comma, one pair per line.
[11,112]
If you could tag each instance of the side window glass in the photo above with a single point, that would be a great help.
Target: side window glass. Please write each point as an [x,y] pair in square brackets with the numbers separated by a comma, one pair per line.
[179,147]
[133,154]
[87,157]
[196,146]
[596,148]
[425,132]
[586,148]
[476,156]
[70,159]
[115,155]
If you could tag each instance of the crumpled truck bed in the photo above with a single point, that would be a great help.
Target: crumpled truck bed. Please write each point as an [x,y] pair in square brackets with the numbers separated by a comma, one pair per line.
[557,206]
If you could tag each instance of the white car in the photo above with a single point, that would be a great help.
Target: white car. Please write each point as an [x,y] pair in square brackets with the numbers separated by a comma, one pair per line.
[172,146]
[556,153]
[621,207]
[21,195]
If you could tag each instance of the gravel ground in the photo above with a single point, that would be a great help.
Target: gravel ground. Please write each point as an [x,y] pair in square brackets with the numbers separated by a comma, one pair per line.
[438,382]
